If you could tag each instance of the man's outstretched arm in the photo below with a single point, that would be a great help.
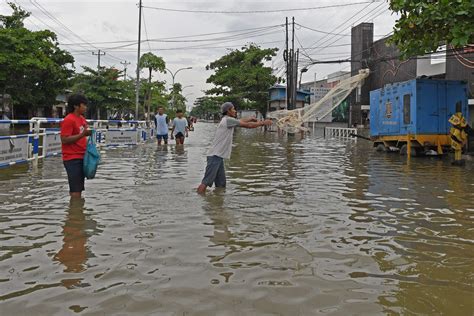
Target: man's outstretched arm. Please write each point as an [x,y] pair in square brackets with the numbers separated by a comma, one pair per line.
[255,124]
[249,119]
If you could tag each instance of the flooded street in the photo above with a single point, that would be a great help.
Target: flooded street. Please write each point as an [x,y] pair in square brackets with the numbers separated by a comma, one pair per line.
[305,227]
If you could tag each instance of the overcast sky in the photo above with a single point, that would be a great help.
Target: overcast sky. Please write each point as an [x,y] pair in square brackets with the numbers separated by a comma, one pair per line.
[84,26]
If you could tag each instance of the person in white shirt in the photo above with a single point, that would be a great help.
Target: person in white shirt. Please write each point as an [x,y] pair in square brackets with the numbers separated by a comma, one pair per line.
[161,123]
[221,147]
[180,128]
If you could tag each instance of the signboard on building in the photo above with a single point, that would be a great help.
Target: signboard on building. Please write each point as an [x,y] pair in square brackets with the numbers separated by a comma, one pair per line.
[13,149]
[121,137]
[51,144]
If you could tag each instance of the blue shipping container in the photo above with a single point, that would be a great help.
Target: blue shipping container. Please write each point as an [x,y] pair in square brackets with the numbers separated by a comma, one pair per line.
[416,107]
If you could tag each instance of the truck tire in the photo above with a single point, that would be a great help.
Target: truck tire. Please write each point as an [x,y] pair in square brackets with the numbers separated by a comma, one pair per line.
[403,151]
[380,148]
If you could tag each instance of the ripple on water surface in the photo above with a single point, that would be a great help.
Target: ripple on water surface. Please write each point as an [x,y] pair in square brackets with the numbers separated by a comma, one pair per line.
[305,226]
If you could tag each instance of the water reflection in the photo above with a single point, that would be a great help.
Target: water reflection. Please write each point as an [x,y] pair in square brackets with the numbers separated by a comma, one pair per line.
[417,230]
[305,226]
[220,219]
[264,164]
[76,230]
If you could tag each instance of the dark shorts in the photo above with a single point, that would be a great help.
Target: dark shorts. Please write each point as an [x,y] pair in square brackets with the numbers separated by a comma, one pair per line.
[162,137]
[215,172]
[75,174]
[179,135]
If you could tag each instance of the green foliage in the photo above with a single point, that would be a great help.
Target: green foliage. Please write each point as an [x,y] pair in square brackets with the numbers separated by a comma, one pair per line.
[159,97]
[14,21]
[207,108]
[152,63]
[104,90]
[242,77]
[33,69]
[176,97]
[425,24]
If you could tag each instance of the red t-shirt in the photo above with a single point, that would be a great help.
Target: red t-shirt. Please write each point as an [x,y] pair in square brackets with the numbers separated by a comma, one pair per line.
[73,125]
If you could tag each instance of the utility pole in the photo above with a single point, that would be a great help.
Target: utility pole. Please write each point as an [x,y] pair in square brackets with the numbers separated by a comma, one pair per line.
[137,86]
[99,53]
[290,86]
[286,58]
[295,78]
[293,90]
[125,64]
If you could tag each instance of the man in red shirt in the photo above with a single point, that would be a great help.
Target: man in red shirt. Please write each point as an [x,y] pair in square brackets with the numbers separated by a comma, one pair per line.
[74,130]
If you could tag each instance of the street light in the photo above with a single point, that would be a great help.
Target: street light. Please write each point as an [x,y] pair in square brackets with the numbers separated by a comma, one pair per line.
[301,74]
[173,75]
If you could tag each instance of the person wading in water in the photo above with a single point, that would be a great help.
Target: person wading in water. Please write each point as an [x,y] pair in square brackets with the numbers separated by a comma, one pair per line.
[221,147]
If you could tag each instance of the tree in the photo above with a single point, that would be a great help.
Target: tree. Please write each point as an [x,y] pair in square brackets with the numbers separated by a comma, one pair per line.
[158,95]
[104,90]
[152,63]
[425,24]
[177,98]
[242,78]
[33,69]
[207,107]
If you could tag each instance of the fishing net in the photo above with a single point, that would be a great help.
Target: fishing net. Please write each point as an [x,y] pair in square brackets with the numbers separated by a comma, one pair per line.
[293,121]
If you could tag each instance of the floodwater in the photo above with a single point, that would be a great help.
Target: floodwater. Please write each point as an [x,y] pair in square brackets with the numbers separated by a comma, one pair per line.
[307,226]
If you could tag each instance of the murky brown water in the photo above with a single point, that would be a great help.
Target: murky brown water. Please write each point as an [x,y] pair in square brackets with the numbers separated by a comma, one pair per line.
[305,227]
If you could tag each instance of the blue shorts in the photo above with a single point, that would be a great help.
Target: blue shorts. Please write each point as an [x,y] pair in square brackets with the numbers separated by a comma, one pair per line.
[215,172]
[75,174]
[162,137]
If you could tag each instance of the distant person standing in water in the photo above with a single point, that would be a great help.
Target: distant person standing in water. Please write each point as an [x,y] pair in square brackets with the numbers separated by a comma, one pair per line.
[180,128]
[221,147]
[161,123]
[74,130]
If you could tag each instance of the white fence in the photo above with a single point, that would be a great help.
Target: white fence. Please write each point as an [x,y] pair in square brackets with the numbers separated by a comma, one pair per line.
[342,132]
[43,142]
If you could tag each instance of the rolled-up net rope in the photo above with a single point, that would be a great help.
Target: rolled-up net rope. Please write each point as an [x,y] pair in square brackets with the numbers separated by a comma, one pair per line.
[293,121]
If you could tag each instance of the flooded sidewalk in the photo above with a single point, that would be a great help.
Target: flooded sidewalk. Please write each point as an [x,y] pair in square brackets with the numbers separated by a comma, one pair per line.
[305,227]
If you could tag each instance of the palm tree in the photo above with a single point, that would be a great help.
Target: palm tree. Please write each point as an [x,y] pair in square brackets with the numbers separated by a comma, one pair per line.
[153,63]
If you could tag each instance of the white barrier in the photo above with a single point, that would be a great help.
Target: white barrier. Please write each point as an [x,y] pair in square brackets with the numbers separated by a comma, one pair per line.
[122,137]
[40,142]
[342,132]
[13,150]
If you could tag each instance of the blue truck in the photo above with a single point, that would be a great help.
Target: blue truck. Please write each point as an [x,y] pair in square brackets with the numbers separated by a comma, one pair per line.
[412,116]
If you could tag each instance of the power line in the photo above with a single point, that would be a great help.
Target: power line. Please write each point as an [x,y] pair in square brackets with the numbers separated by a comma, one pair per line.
[215,40]
[342,24]
[451,52]
[146,30]
[185,36]
[205,46]
[370,15]
[319,31]
[258,11]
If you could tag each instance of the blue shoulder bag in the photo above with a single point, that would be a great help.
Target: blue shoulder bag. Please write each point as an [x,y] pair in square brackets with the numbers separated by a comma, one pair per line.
[91,157]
